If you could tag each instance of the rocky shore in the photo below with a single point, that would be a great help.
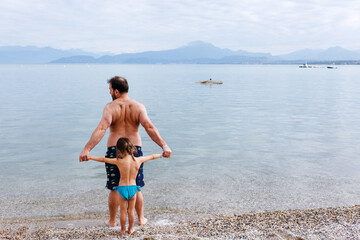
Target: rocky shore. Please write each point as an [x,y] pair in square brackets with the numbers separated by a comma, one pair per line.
[322,223]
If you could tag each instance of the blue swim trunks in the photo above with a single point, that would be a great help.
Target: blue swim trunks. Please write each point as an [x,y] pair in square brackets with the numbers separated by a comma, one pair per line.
[127,192]
[112,171]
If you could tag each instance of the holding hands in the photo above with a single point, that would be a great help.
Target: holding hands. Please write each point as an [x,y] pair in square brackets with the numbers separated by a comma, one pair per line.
[84,156]
[166,151]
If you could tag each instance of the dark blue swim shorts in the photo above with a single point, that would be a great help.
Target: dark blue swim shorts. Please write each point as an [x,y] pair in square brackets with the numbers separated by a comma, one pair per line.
[112,171]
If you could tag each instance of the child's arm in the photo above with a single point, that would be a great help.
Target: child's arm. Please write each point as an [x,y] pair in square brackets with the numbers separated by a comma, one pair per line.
[103,159]
[148,158]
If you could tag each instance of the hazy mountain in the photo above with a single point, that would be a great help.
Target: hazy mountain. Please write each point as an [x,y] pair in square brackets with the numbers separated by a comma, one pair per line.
[338,53]
[330,54]
[194,52]
[30,54]
[305,54]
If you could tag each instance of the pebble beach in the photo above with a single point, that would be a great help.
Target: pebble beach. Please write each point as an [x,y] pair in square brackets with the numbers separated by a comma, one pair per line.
[167,223]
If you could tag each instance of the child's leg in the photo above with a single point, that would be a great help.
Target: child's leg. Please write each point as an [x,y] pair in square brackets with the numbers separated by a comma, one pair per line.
[123,213]
[131,213]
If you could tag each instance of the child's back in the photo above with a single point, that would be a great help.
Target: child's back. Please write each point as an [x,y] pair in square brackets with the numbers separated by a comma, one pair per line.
[128,167]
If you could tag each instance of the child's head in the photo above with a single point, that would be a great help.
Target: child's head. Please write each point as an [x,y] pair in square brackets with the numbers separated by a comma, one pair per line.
[124,147]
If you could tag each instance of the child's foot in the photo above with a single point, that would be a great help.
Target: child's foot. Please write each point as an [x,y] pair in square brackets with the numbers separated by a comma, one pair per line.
[131,231]
[142,221]
[110,224]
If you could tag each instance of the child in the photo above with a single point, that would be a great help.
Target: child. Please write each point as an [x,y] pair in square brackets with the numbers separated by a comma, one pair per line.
[128,166]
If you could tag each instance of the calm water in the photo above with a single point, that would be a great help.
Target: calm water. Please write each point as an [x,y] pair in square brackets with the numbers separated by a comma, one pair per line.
[270,137]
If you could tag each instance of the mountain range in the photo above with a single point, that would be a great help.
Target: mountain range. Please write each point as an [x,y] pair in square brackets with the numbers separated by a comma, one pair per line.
[31,54]
[194,52]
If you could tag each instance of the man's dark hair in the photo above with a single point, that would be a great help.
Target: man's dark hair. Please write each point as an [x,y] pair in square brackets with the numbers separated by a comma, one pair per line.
[119,83]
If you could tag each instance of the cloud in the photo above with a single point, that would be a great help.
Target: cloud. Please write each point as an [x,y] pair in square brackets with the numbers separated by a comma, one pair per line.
[139,25]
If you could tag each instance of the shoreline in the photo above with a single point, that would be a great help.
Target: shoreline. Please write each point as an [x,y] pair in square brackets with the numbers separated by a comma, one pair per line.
[168,223]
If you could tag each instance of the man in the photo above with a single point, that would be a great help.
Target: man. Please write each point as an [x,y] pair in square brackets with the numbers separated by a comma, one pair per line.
[123,115]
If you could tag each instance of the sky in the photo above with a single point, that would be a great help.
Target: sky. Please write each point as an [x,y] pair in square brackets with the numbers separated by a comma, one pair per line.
[127,26]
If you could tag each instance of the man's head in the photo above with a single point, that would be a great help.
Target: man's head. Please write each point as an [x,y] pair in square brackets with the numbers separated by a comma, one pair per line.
[118,85]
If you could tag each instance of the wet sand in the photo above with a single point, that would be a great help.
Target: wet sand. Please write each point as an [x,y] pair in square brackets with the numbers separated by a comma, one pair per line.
[167,223]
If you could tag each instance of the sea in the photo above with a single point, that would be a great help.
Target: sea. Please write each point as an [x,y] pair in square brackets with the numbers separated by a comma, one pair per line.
[271,137]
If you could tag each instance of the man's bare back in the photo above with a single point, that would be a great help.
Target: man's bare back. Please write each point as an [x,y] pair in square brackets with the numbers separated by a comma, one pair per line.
[125,120]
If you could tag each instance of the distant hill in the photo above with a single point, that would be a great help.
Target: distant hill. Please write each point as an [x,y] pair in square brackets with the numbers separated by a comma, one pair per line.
[194,52]
[330,54]
[30,54]
[201,52]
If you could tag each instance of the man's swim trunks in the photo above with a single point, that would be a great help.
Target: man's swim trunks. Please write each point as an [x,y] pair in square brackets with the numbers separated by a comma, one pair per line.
[112,171]
[127,192]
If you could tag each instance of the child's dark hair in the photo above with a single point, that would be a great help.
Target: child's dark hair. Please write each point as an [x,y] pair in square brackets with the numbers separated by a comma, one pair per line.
[124,146]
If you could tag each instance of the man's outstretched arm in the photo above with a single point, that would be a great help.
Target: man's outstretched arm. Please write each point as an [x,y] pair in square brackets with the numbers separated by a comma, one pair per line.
[153,132]
[97,135]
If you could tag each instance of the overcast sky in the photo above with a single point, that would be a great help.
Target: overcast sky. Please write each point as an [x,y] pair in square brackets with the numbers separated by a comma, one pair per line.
[120,26]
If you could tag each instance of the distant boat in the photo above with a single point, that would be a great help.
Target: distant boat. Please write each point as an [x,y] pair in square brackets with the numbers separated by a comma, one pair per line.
[210,82]
[305,66]
[332,66]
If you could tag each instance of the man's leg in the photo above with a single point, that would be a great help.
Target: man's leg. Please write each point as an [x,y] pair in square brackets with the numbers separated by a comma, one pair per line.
[113,178]
[114,202]
[139,207]
[139,204]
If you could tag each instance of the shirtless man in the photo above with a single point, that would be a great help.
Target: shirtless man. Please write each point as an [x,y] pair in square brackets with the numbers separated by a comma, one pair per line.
[123,115]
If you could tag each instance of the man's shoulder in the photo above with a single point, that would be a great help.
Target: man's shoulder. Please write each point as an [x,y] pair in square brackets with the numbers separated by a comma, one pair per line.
[135,103]
[109,105]
[128,101]
[131,103]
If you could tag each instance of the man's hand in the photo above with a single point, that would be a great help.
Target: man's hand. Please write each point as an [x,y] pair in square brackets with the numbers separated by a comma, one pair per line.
[84,156]
[166,152]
